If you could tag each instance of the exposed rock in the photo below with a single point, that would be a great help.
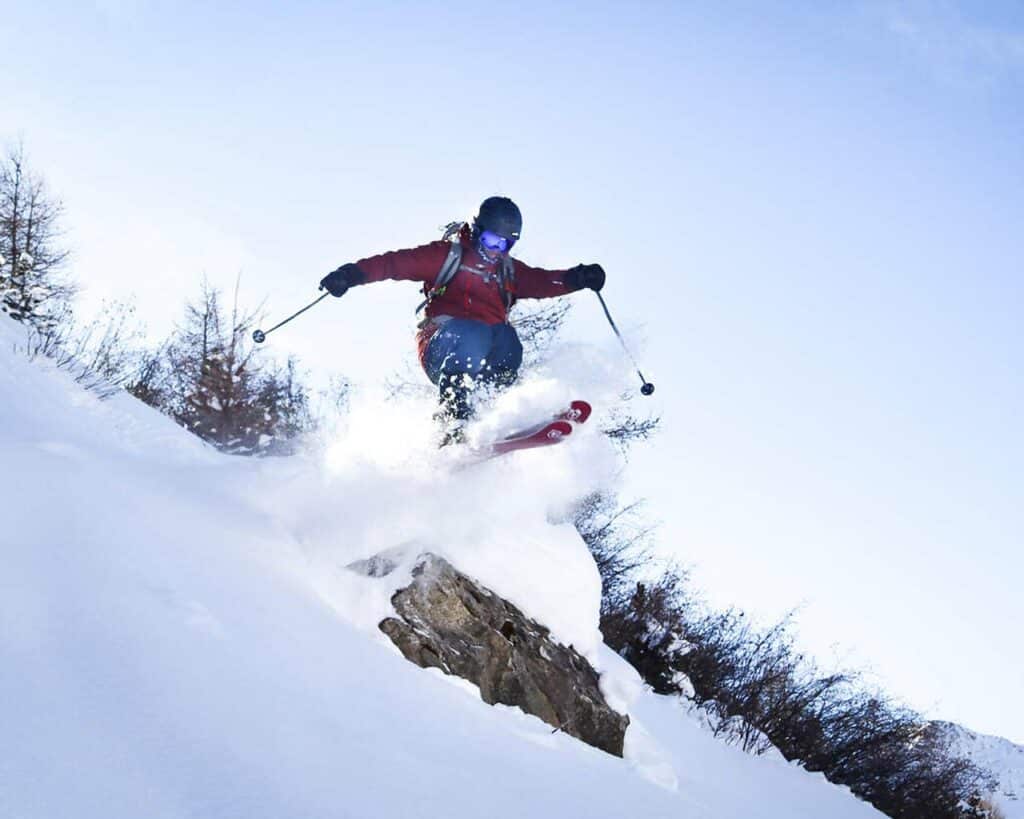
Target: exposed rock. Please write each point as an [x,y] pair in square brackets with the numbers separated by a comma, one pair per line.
[450,622]
[380,564]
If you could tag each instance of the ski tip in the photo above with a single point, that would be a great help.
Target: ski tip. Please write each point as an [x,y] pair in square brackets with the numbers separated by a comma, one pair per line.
[558,429]
[579,411]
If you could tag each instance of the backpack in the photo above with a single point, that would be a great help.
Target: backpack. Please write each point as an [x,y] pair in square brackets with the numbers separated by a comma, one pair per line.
[506,273]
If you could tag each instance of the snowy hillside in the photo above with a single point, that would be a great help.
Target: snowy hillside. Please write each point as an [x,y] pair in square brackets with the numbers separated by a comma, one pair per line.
[179,636]
[1000,757]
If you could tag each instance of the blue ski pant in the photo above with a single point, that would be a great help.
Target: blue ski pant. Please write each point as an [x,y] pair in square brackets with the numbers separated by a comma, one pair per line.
[487,353]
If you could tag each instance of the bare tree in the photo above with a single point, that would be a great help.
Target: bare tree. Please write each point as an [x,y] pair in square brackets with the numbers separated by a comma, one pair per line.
[32,287]
[625,429]
[760,691]
[619,540]
[538,325]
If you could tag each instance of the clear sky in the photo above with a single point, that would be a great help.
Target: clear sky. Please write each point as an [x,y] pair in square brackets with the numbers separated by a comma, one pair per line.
[811,215]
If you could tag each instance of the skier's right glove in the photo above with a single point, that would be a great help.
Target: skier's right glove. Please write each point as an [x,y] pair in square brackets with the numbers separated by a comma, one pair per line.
[585,275]
[337,282]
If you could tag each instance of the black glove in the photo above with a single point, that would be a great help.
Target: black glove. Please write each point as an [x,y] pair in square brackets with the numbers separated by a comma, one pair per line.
[585,275]
[337,282]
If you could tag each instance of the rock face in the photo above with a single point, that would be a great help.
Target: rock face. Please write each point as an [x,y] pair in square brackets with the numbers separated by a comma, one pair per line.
[447,621]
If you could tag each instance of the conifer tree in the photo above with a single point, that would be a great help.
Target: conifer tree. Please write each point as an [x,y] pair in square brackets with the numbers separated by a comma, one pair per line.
[209,378]
[32,289]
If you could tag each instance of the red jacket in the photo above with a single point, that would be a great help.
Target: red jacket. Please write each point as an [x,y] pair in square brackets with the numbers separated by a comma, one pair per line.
[474,291]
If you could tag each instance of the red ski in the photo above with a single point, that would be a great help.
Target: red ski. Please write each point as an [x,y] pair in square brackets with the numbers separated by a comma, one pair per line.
[550,432]
[578,412]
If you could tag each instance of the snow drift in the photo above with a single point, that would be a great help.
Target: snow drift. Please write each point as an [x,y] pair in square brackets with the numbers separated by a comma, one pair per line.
[179,636]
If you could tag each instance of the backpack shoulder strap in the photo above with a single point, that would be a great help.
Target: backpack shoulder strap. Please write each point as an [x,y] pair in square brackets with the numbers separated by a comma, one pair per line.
[449,268]
[507,281]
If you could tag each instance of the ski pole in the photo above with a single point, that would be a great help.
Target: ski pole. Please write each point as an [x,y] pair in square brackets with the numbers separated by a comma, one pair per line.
[259,336]
[647,387]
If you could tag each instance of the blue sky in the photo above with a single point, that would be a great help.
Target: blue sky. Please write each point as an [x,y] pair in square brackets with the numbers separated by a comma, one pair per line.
[811,216]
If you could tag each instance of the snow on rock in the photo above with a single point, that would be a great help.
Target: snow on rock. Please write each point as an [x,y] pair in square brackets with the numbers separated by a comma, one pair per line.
[179,636]
[1000,757]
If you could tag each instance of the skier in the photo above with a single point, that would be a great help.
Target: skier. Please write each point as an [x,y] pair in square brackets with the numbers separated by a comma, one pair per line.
[465,338]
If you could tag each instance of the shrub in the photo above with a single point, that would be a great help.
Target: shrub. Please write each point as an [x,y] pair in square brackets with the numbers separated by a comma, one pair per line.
[760,691]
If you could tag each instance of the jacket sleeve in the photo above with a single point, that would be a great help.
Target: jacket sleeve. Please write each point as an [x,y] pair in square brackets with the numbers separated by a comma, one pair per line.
[418,264]
[538,283]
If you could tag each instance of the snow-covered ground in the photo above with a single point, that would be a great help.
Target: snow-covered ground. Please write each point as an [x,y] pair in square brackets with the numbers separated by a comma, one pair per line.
[179,637]
[1000,757]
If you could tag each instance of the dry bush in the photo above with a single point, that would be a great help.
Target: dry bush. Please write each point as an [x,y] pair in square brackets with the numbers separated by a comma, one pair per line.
[760,691]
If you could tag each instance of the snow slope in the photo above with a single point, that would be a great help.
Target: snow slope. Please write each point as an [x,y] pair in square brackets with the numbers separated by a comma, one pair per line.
[179,638]
[1002,758]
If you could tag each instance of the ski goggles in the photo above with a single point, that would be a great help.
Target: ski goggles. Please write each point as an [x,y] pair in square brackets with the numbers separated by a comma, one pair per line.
[493,242]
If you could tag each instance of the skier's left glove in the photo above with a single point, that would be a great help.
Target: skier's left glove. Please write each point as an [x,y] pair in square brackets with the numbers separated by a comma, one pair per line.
[585,275]
[337,282]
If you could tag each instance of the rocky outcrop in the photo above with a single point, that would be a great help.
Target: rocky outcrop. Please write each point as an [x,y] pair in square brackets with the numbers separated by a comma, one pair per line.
[448,621]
